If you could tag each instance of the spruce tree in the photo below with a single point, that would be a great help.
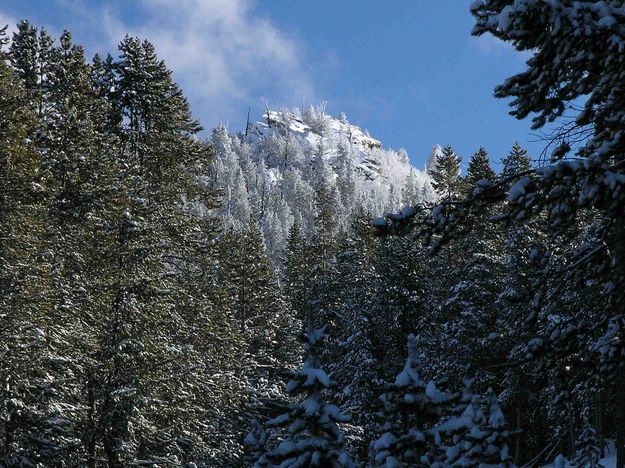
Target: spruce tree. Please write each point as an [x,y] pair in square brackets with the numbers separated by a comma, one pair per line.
[445,175]
[479,437]
[26,288]
[587,448]
[297,272]
[312,436]
[412,408]
[351,355]
[30,56]
[516,162]
[479,168]
[145,361]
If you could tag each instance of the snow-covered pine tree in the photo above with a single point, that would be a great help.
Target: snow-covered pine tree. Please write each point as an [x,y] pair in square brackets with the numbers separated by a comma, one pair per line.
[144,362]
[411,191]
[25,285]
[256,442]
[479,437]
[230,182]
[104,80]
[585,171]
[464,449]
[346,179]
[496,450]
[297,273]
[412,409]
[322,251]
[29,56]
[588,451]
[313,436]
[583,179]
[397,304]
[351,351]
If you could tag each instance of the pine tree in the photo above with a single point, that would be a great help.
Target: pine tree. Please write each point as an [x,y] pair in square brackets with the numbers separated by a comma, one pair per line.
[26,289]
[256,441]
[4,40]
[346,182]
[313,437]
[587,449]
[249,275]
[350,352]
[445,175]
[230,182]
[478,439]
[411,193]
[479,168]
[30,56]
[297,272]
[516,162]
[145,361]
[105,81]
[412,408]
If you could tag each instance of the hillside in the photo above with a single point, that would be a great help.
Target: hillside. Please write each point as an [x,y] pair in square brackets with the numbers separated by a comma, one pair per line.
[273,173]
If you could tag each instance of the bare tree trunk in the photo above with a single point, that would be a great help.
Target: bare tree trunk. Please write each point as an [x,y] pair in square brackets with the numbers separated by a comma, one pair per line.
[247,123]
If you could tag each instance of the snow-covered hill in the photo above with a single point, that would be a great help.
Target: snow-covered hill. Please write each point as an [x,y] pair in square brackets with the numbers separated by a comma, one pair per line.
[317,129]
[273,172]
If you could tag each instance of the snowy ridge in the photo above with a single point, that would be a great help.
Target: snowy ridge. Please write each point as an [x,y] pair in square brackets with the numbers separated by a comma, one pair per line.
[329,135]
[273,173]
[315,129]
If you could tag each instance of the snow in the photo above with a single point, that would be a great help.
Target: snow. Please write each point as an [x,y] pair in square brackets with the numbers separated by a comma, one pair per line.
[434,393]
[409,376]
[519,189]
[376,165]
[505,18]
[561,462]
[386,440]
[379,222]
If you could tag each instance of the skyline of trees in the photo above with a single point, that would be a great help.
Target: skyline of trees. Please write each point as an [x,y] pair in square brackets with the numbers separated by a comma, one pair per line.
[154,283]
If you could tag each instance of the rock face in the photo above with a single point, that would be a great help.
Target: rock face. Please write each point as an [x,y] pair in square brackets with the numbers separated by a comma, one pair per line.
[316,129]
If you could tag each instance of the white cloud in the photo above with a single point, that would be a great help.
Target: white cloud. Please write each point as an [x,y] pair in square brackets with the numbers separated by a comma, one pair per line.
[488,44]
[222,51]
[6,19]
[225,54]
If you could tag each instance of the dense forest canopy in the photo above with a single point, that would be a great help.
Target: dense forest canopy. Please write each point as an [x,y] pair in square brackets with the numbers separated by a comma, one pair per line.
[295,294]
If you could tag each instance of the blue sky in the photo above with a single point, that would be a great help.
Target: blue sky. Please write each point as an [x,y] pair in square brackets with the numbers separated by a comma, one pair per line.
[406,70]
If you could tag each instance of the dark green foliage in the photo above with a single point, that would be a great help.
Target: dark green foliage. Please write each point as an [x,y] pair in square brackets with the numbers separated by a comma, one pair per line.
[136,329]
[516,162]
[446,178]
[479,168]
[412,408]
[311,436]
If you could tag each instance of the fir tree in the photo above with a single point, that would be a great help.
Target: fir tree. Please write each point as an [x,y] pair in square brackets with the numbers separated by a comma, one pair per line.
[479,168]
[412,408]
[313,437]
[587,449]
[478,439]
[516,162]
[26,289]
[351,354]
[297,272]
[445,175]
